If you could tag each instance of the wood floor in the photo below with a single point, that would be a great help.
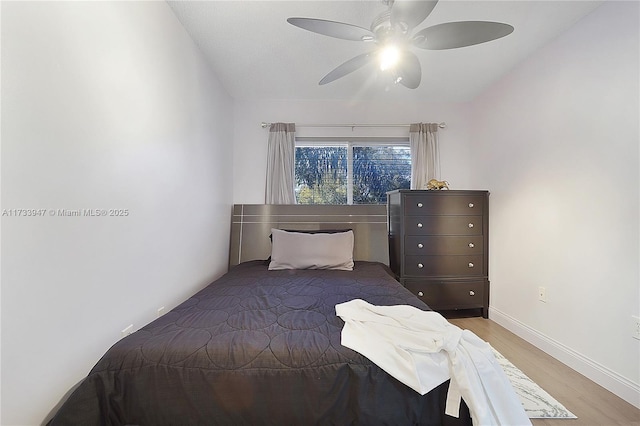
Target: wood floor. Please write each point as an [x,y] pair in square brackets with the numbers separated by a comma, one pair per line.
[591,403]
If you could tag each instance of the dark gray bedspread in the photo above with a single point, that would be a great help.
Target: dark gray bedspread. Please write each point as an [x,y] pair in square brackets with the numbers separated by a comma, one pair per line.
[255,347]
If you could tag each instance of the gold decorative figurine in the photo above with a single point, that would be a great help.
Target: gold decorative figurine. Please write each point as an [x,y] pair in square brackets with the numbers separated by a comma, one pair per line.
[437,184]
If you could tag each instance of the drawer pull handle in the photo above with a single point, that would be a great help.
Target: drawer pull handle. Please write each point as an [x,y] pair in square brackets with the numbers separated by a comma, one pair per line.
[470,205]
[420,265]
[419,205]
[420,294]
[472,293]
[419,225]
[420,245]
[471,245]
[470,265]
[471,225]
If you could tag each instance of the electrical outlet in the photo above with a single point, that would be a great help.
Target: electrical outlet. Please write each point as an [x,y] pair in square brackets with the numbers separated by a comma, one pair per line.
[542,294]
[635,331]
[160,311]
[127,331]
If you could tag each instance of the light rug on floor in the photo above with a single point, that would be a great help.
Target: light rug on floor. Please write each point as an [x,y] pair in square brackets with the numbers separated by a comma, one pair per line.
[537,403]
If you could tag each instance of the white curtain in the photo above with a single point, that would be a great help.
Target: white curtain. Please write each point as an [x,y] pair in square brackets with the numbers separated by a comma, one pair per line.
[425,154]
[280,164]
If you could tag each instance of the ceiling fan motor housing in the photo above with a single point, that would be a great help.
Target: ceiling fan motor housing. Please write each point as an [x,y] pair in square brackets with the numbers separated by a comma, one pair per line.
[382,28]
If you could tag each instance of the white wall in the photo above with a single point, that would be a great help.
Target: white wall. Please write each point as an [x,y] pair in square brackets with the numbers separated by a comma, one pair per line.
[105,105]
[250,140]
[556,142]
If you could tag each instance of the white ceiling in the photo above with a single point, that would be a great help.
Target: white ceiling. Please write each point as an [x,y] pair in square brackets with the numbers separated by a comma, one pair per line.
[256,54]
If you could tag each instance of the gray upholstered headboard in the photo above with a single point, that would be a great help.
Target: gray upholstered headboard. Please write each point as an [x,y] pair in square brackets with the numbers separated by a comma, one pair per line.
[251,226]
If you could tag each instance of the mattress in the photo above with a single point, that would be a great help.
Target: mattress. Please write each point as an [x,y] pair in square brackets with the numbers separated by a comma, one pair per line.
[256,347]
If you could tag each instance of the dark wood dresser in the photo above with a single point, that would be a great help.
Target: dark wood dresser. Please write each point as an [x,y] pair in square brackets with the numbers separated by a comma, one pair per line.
[439,246]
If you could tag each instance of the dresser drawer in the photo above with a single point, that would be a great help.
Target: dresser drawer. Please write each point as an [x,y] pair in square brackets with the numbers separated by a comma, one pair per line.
[439,245]
[443,225]
[434,266]
[436,204]
[449,295]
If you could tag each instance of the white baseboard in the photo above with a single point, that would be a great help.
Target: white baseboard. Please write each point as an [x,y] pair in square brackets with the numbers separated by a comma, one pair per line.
[608,379]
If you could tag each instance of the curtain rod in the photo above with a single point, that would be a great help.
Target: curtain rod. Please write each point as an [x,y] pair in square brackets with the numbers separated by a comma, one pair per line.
[264,125]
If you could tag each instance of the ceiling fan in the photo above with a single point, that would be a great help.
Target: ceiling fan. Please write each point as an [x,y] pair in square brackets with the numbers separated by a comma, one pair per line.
[392,33]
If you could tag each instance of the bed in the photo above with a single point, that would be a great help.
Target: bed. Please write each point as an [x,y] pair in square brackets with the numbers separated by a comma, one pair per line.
[260,346]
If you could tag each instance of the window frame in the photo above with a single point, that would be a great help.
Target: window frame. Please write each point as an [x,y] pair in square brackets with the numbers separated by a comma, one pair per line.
[350,143]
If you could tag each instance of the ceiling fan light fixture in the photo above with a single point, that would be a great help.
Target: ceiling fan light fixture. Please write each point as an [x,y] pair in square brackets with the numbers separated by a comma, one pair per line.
[389,57]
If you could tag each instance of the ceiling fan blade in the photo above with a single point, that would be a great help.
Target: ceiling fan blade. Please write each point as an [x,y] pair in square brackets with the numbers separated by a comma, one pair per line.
[451,35]
[407,14]
[348,67]
[333,29]
[409,70]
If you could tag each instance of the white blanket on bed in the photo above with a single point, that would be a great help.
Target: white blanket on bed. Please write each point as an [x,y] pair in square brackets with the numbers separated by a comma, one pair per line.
[423,350]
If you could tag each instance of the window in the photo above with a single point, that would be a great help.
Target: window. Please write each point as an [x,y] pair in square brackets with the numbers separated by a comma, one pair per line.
[356,171]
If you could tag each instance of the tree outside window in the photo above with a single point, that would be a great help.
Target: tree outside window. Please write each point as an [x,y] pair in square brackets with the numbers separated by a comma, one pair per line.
[350,172]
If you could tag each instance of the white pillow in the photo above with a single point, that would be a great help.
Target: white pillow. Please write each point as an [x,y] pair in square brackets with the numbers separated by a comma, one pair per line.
[299,250]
